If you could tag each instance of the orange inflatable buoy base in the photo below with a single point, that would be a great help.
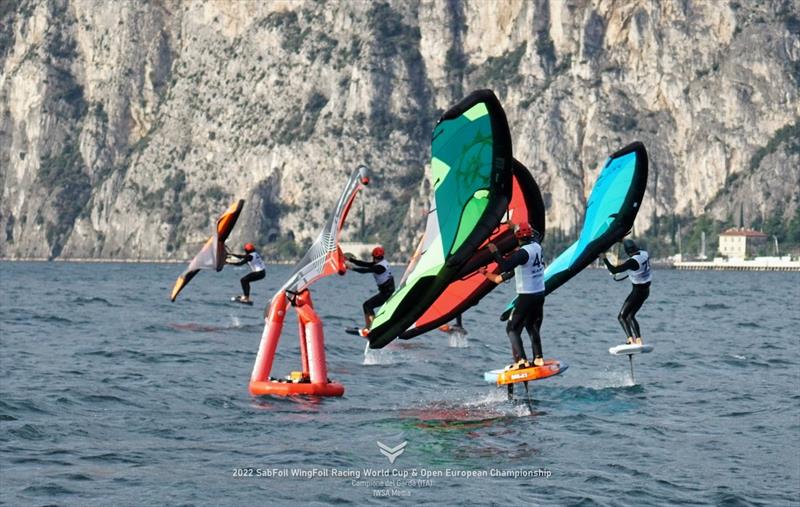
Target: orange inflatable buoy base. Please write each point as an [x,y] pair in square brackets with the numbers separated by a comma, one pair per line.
[551,367]
[274,387]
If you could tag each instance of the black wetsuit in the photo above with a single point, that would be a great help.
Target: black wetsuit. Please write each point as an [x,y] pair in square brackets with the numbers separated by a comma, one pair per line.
[639,293]
[252,276]
[528,311]
[385,290]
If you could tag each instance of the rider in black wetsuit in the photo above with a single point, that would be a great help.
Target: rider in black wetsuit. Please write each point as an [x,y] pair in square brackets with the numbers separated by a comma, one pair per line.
[458,327]
[640,274]
[257,269]
[379,268]
[528,267]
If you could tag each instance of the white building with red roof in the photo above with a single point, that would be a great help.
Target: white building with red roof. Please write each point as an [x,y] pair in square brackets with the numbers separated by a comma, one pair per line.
[740,243]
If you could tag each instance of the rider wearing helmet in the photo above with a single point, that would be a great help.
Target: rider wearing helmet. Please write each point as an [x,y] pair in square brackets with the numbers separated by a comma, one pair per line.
[257,270]
[526,264]
[379,267]
[638,267]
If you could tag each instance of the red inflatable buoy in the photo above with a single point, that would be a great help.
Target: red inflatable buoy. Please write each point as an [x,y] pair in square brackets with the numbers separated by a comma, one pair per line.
[287,388]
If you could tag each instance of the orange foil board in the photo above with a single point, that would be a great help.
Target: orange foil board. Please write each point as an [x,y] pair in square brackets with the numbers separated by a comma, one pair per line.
[274,388]
[551,367]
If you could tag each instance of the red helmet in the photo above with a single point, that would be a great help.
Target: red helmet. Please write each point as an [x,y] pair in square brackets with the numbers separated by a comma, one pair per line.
[523,230]
[249,247]
[378,252]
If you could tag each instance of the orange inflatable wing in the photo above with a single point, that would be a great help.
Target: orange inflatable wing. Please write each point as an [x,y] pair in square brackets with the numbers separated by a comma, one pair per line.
[212,255]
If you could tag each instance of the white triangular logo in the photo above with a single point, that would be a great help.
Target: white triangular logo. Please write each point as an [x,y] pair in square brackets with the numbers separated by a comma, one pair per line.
[392,452]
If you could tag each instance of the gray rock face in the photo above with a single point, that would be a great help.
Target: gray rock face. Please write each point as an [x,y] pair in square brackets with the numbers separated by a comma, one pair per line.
[127,127]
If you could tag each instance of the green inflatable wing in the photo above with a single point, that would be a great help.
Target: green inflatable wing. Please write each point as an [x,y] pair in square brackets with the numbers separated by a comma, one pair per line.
[610,211]
[471,188]
[470,286]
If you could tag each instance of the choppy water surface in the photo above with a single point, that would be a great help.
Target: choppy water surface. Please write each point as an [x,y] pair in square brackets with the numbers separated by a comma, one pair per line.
[110,395]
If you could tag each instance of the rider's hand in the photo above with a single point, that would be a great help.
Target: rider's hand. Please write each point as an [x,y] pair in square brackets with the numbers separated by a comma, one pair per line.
[492,247]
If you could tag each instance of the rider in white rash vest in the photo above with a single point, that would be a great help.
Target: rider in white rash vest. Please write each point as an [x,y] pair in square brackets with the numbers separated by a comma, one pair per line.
[527,264]
[257,269]
[379,267]
[638,267]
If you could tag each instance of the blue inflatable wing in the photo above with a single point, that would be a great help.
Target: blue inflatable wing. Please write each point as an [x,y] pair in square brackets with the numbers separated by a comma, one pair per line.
[610,212]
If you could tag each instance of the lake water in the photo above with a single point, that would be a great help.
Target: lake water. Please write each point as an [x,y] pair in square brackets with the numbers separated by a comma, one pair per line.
[112,395]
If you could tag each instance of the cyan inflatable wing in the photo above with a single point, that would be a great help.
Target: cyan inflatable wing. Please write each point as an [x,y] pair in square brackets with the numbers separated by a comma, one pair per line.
[610,212]
[471,188]
[471,286]
[212,255]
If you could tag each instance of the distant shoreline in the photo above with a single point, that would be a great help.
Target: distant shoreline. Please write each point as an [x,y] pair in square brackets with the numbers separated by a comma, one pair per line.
[686,266]
[753,265]
[95,260]
[113,261]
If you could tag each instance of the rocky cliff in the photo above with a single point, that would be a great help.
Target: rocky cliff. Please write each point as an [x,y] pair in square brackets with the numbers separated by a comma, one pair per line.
[127,126]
